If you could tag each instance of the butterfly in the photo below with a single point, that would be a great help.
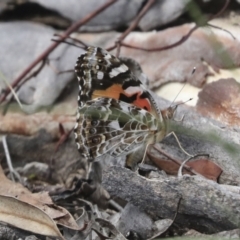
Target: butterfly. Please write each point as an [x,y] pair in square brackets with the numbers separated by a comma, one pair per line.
[117,115]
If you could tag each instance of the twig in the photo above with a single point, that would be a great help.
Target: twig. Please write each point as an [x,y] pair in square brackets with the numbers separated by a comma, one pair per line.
[71,29]
[221,11]
[20,84]
[115,205]
[71,38]
[11,89]
[64,136]
[222,29]
[9,161]
[178,162]
[163,231]
[182,165]
[133,25]
[183,39]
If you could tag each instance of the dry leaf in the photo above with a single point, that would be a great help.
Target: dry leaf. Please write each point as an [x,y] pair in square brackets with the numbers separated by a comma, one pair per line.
[205,167]
[40,201]
[220,100]
[27,217]
[217,48]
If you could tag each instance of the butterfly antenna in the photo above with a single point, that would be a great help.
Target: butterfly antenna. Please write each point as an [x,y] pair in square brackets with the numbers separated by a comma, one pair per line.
[193,71]
[178,94]
[174,106]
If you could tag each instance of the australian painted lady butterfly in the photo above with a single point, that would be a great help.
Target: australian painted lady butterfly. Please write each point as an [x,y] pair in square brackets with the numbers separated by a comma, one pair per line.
[116,114]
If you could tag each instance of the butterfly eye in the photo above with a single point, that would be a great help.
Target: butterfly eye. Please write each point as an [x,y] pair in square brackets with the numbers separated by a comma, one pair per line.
[92,130]
[96,140]
[94,123]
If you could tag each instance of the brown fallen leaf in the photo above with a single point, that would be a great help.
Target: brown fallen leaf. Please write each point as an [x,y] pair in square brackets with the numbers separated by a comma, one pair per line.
[218,49]
[202,166]
[40,201]
[220,100]
[27,217]
[206,168]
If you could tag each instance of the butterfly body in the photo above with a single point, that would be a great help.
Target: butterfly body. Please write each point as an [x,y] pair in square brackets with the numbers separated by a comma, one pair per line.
[116,115]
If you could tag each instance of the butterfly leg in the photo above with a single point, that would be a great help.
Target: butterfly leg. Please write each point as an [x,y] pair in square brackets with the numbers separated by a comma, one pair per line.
[134,158]
[179,144]
[145,153]
[95,172]
[180,120]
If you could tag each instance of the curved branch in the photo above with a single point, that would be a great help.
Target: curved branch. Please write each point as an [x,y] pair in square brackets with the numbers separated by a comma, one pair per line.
[71,29]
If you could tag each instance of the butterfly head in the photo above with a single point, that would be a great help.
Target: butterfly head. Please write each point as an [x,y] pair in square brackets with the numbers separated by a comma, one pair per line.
[168,113]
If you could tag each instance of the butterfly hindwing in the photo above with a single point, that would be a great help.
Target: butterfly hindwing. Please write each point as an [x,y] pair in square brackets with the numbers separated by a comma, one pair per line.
[111,126]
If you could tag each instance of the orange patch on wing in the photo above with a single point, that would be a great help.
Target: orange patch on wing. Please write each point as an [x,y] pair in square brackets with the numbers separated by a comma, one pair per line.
[114,92]
[142,103]
[111,92]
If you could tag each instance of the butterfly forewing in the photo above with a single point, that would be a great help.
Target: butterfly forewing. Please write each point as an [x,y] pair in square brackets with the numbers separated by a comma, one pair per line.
[101,74]
[116,114]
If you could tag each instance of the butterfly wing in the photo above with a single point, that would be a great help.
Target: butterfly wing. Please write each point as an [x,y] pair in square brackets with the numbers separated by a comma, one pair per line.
[107,125]
[101,74]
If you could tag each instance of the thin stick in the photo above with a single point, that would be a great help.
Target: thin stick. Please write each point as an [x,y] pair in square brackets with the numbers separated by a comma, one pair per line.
[185,161]
[115,205]
[133,25]
[9,161]
[183,39]
[12,90]
[71,29]
[178,162]
[181,167]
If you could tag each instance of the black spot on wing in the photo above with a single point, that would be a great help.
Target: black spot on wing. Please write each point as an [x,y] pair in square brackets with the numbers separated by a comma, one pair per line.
[144,95]
[127,99]
[131,83]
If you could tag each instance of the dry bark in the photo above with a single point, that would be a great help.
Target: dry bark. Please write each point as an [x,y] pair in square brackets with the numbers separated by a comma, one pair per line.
[205,206]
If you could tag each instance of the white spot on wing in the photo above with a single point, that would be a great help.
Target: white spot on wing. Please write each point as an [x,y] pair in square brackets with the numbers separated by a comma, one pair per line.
[76,126]
[100,75]
[114,125]
[115,71]
[78,145]
[107,56]
[133,90]
[76,136]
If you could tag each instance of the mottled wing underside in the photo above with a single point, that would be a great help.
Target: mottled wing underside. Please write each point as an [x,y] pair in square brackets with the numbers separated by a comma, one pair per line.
[116,114]
[114,127]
